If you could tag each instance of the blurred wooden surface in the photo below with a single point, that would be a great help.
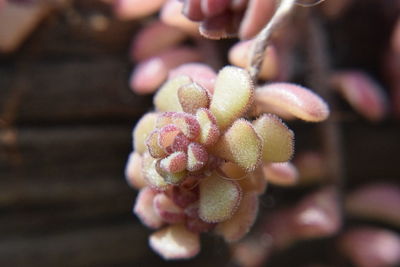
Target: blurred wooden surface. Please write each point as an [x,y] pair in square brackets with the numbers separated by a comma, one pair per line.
[66,115]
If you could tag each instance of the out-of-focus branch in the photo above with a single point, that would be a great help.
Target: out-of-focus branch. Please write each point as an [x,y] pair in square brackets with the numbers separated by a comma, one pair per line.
[264,37]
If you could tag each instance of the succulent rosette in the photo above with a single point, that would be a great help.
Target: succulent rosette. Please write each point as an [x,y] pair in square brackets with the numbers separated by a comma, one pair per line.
[200,161]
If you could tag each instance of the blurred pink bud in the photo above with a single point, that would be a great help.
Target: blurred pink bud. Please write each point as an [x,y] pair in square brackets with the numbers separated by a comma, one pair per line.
[222,26]
[396,37]
[371,247]
[153,39]
[297,100]
[144,208]
[171,14]
[282,174]
[257,15]
[311,167]
[199,72]
[317,215]
[212,8]
[362,92]
[251,252]
[151,73]
[133,9]
[175,242]
[376,201]
[192,10]
[133,171]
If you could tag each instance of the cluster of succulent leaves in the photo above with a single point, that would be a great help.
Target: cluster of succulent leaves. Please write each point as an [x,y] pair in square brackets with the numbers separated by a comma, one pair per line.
[202,156]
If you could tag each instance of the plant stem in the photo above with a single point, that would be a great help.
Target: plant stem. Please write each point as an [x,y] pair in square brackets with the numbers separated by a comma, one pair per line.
[319,77]
[263,38]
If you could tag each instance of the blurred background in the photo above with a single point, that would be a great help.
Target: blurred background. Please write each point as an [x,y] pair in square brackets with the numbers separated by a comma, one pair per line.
[66,116]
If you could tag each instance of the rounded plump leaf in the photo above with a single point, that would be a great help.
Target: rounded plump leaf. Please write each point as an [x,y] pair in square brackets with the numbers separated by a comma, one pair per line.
[197,157]
[192,97]
[166,98]
[371,247]
[144,45]
[219,199]
[144,208]
[150,174]
[152,72]
[142,130]
[233,94]
[297,100]
[241,145]
[167,209]
[375,201]
[239,225]
[171,14]
[363,93]
[209,132]
[198,72]
[176,162]
[277,138]
[187,123]
[175,242]
[254,181]
[283,174]
[153,146]
[133,171]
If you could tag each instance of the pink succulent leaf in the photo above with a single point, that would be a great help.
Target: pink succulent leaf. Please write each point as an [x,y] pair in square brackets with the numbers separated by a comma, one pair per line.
[281,174]
[375,201]
[239,225]
[183,197]
[153,145]
[144,208]
[152,72]
[171,14]
[239,56]
[317,215]
[134,9]
[164,119]
[222,26]
[257,14]
[192,10]
[197,157]
[212,8]
[362,92]
[297,100]
[175,242]
[219,199]
[187,123]
[133,171]
[254,182]
[144,45]
[167,209]
[371,247]
[176,162]
[198,72]
[171,139]
[171,178]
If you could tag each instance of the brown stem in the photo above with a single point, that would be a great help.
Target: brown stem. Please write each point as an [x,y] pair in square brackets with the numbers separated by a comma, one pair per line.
[319,77]
[263,38]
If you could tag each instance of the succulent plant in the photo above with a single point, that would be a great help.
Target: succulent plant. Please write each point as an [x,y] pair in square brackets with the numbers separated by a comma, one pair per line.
[202,155]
